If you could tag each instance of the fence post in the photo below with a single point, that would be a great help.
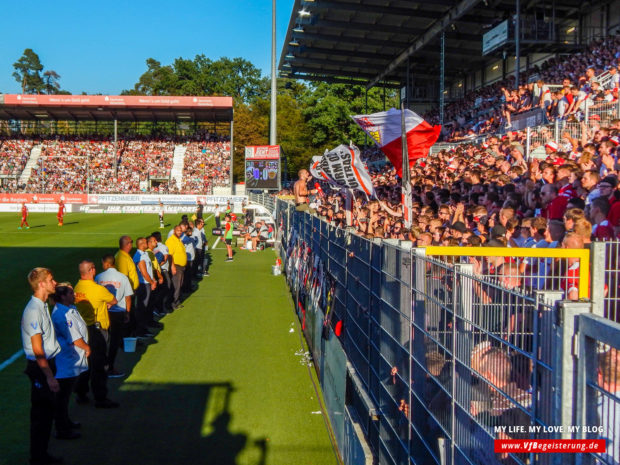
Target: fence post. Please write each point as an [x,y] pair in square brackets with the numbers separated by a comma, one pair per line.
[528,143]
[556,131]
[566,364]
[597,273]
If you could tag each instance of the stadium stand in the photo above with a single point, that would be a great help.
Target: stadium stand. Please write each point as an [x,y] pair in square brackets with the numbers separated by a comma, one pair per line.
[555,84]
[66,165]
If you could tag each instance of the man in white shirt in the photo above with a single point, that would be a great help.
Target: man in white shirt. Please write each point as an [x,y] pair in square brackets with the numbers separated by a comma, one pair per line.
[41,347]
[201,241]
[119,286]
[144,311]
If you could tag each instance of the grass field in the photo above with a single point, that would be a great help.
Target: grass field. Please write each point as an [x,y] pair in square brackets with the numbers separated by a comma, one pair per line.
[220,384]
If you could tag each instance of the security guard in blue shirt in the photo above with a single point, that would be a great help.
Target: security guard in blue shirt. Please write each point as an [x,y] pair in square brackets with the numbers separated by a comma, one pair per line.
[41,347]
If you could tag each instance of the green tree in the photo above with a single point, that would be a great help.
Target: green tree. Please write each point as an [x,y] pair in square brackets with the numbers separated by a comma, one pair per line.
[51,77]
[28,72]
[236,77]
[328,109]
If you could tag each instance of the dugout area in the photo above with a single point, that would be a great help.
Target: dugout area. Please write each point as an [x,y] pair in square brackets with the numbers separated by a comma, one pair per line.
[220,384]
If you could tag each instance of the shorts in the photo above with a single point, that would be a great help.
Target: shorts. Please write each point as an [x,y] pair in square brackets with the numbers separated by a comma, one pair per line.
[228,241]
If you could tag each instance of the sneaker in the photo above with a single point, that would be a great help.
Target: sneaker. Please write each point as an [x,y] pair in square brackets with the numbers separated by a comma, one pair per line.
[115,374]
[27,227]
[155,324]
[206,273]
[107,403]
[19,227]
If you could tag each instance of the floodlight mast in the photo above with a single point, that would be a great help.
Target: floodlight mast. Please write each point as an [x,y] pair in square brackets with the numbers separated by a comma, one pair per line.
[272,123]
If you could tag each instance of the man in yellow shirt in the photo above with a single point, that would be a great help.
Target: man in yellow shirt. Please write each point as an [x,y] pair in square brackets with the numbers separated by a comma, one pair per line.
[179,261]
[93,301]
[124,261]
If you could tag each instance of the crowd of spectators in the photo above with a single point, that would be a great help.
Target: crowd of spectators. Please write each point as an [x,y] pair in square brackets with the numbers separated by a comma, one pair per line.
[207,164]
[490,195]
[14,154]
[562,86]
[143,165]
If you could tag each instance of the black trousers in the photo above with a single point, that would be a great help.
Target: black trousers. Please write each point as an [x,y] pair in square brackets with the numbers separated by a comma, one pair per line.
[96,374]
[187,279]
[218,222]
[177,282]
[167,289]
[116,332]
[61,414]
[144,311]
[42,406]
[199,261]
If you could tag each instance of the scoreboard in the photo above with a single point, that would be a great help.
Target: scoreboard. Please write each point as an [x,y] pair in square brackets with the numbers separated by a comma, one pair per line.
[262,167]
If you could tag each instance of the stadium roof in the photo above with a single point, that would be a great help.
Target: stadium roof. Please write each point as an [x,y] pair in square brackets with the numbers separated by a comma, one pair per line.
[111,107]
[370,40]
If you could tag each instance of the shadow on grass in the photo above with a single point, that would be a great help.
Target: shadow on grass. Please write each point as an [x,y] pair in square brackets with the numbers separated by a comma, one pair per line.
[176,424]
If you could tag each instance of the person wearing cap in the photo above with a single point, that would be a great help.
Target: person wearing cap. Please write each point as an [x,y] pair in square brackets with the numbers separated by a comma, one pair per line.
[612,84]
[551,148]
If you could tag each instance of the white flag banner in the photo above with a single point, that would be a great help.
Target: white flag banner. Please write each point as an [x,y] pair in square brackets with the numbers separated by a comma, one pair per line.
[343,167]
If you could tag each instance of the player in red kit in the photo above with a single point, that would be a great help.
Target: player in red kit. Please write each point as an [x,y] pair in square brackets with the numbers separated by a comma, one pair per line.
[61,212]
[24,217]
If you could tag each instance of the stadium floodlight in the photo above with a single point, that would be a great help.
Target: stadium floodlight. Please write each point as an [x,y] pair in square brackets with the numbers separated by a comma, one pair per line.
[294,43]
[570,30]
[304,13]
[289,56]
[286,65]
[495,67]
[298,29]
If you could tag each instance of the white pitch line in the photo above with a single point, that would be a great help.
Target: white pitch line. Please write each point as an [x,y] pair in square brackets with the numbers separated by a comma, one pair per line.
[11,359]
[216,242]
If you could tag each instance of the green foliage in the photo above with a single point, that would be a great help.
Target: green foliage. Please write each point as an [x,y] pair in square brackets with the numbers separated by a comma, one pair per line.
[310,118]
[329,107]
[28,72]
[234,77]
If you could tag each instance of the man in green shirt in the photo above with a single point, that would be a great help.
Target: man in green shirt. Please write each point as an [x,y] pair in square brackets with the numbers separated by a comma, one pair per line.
[228,235]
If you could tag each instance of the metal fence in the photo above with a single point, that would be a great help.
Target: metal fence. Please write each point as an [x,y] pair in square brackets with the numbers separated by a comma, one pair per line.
[436,353]
[598,387]
[266,200]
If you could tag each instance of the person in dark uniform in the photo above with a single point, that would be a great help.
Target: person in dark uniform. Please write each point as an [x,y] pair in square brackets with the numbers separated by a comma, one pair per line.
[199,210]
[41,347]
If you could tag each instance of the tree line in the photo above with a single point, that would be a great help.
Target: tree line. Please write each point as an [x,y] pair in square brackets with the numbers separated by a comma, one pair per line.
[311,117]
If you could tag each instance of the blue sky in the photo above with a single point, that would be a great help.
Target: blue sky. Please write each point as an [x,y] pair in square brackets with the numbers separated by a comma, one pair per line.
[101,47]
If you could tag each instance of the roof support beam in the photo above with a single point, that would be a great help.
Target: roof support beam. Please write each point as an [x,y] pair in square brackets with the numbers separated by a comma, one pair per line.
[400,12]
[450,17]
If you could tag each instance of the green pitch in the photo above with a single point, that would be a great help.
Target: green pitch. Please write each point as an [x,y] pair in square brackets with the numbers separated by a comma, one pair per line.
[220,384]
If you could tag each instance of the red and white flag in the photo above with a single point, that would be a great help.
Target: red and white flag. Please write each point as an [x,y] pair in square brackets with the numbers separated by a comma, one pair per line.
[385,129]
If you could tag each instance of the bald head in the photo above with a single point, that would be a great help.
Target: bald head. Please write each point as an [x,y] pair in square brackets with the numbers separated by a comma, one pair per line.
[87,269]
[125,243]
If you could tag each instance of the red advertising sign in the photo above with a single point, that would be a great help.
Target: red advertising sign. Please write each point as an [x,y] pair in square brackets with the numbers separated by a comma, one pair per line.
[116,101]
[43,198]
[262,152]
